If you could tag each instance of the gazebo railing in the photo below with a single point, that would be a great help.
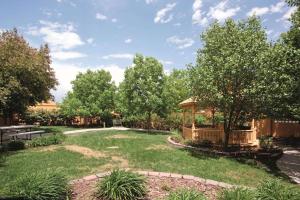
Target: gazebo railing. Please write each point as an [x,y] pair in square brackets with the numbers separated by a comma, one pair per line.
[216,135]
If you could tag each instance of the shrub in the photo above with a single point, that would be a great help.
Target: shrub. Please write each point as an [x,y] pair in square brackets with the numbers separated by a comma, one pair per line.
[2,158]
[40,186]
[236,194]
[186,194]
[274,189]
[47,140]
[266,142]
[122,185]
[200,120]
[15,145]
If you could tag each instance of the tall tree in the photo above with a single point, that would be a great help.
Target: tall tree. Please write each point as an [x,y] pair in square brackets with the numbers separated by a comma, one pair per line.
[26,75]
[143,87]
[92,95]
[176,89]
[292,37]
[226,72]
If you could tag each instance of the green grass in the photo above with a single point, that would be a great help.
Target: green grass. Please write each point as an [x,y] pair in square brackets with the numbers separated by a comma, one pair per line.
[142,151]
[57,129]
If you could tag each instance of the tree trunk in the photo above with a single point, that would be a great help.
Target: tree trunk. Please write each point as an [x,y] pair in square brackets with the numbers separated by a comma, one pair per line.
[149,121]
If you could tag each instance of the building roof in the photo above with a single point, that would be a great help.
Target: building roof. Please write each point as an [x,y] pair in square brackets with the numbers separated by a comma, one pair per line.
[188,102]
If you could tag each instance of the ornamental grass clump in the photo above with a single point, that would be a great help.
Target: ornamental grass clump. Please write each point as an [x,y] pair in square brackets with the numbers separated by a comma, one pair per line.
[122,185]
[276,190]
[237,194]
[186,194]
[45,185]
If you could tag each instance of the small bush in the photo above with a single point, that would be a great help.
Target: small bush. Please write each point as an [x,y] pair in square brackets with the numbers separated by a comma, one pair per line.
[236,194]
[200,120]
[47,140]
[274,189]
[2,159]
[122,185]
[186,194]
[15,145]
[266,142]
[40,186]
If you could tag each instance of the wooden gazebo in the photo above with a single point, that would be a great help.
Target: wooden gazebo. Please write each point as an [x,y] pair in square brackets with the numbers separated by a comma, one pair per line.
[214,134]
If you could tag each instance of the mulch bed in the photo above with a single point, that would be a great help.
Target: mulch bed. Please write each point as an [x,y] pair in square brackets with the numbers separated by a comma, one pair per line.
[158,188]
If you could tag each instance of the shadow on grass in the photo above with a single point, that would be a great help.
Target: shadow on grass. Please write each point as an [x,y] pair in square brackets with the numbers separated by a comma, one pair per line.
[267,164]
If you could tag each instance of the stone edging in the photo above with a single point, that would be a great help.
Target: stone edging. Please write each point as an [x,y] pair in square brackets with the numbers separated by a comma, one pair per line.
[158,174]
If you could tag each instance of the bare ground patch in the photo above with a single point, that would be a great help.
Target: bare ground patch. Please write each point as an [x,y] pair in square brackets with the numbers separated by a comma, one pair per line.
[85,151]
[120,136]
[158,147]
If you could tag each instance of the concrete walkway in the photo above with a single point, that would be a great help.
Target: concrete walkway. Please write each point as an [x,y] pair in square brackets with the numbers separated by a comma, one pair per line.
[289,163]
[113,128]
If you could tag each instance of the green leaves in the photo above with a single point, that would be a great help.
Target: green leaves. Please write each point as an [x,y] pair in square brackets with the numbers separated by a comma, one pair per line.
[92,95]
[26,75]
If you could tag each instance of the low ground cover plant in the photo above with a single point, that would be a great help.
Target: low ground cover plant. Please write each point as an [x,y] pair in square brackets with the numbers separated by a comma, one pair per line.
[237,194]
[47,185]
[186,194]
[15,145]
[56,138]
[122,185]
[274,189]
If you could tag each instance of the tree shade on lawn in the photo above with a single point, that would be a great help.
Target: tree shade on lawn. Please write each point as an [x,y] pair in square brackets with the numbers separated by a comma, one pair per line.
[131,149]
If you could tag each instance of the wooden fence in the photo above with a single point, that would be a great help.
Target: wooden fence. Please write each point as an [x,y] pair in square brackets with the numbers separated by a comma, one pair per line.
[217,135]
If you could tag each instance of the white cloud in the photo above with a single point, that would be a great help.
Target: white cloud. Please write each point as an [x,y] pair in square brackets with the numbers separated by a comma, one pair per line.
[162,15]
[177,24]
[258,11]
[181,43]
[116,72]
[90,40]
[58,36]
[65,73]
[197,17]
[66,55]
[114,20]
[101,16]
[166,62]
[222,11]
[118,56]
[289,13]
[277,7]
[127,41]
[150,1]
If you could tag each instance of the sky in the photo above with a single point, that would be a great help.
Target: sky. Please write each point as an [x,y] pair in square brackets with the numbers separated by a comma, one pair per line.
[105,34]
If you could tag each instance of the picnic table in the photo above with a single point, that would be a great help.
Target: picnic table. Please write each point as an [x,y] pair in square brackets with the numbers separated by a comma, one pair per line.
[15,131]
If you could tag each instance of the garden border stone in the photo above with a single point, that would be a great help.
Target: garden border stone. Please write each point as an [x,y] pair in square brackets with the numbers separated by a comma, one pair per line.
[158,174]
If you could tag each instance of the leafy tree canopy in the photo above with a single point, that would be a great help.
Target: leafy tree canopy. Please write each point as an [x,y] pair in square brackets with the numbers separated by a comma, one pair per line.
[26,75]
[176,89]
[226,74]
[143,87]
[92,95]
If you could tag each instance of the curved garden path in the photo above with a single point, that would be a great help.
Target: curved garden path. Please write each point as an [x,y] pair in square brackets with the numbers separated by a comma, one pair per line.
[112,128]
[289,163]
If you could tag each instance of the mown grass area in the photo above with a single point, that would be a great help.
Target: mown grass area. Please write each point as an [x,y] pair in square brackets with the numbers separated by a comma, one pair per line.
[127,149]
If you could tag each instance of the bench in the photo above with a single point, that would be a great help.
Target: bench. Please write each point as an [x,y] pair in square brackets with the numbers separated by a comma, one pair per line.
[26,134]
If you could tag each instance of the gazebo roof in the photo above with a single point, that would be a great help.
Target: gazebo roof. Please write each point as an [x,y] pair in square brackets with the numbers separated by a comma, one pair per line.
[188,102]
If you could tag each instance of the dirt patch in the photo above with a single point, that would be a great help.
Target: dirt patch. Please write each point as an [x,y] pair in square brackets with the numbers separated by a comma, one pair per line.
[48,148]
[157,187]
[122,163]
[158,147]
[120,136]
[85,151]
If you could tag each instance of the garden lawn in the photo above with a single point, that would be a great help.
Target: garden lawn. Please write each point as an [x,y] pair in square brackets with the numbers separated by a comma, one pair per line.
[98,151]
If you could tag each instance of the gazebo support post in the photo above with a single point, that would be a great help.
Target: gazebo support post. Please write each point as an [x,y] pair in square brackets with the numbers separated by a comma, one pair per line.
[193,122]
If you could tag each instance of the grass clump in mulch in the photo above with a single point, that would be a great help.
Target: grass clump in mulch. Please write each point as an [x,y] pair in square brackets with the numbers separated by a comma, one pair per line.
[186,194]
[46,185]
[122,185]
